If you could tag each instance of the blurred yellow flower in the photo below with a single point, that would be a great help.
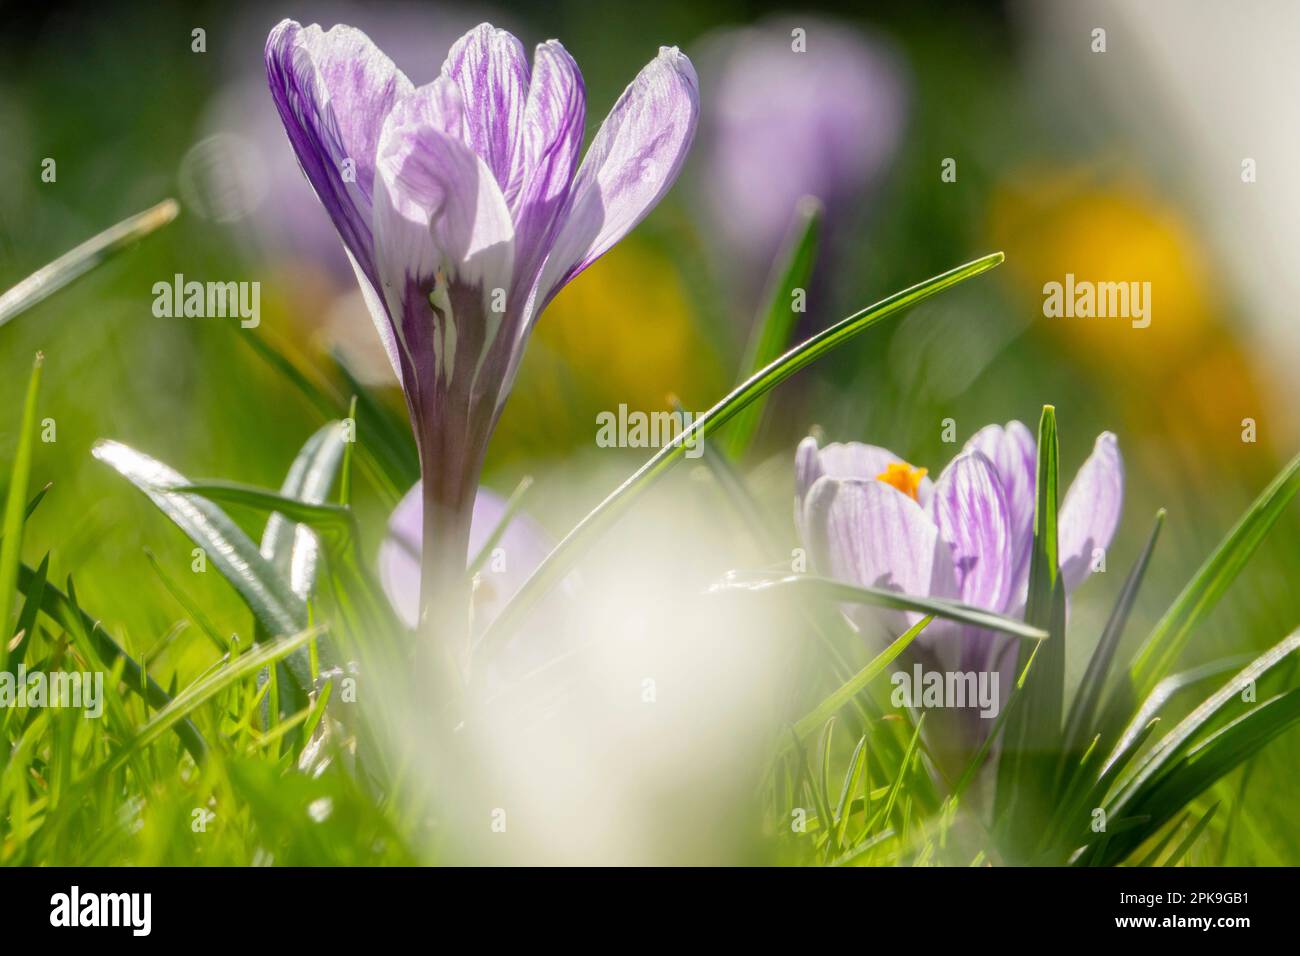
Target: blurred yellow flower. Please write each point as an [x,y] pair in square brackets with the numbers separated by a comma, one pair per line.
[1056,224]
[623,332]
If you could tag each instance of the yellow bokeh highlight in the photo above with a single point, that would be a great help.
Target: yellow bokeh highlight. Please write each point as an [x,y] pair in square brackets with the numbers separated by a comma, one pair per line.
[1112,229]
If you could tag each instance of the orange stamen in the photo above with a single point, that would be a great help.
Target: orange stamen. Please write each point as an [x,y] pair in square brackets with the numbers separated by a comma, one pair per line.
[904,477]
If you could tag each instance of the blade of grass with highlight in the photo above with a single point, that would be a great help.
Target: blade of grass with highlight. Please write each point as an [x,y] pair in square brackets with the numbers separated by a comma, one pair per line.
[264,590]
[846,692]
[1080,725]
[1167,640]
[838,592]
[513,503]
[1025,771]
[1205,763]
[1193,835]
[77,262]
[771,336]
[589,529]
[291,548]
[16,507]
[1148,788]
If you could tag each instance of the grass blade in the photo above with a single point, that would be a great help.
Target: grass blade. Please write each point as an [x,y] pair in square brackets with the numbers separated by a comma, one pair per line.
[1080,726]
[771,335]
[268,595]
[1207,762]
[1176,857]
[837,591]
[566,553]
[59,607]
[1167,639]
[847,691]
[1181,737]
[1026,766]
[77,262]
[204,689]
[15,507]
[292,548]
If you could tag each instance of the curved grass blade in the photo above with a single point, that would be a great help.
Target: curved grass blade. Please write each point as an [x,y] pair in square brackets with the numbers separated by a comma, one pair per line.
[383,472]
[268,595]
[1195,834]
[1080,725]
[15,506]
[1207,762]
[1160,696]
[291,547]
[366,610]
[59,607]
[852,777]
[1157,850]
[324,517]
[1180,739]
[513,504]
[837,591]
[771,335]
[847,691]
[71,265]
[27,617]
[1220,569]
[196,614]
[566,553]
[204,689]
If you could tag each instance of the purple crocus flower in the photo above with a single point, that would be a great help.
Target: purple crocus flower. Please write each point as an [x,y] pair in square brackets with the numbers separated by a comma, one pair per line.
[464,211]
[870,518]
[797,107]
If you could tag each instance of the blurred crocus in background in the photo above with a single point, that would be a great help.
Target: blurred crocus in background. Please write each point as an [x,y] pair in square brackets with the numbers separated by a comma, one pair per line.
[797,107]
[872,519]
[460,208]
[523,542]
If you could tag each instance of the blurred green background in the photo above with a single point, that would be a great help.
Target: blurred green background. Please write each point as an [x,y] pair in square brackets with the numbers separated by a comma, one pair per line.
[1052,167]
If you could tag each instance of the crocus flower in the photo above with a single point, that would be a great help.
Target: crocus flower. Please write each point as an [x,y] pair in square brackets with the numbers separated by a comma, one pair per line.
[464,211]
[797,107]
[873,519]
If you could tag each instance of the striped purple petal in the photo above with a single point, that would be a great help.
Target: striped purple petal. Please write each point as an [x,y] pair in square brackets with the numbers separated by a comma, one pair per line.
[1091,510]
[970,509]
[867,533]
[632,162]
[1014,453]
[553,126]
[333,90]
[491,69]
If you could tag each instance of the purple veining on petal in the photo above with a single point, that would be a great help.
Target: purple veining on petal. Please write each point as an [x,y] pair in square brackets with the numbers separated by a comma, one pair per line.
[867,533]
[634,159]
[554,118]
[970,510]
[491,69]
[1091,510]
[1014,452]
[333,90]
